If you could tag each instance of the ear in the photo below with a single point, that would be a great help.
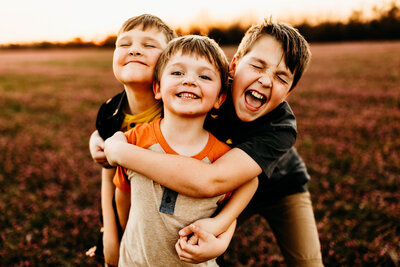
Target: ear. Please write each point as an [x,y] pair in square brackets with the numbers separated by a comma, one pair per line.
[220,100]
[156,90]
[232,67]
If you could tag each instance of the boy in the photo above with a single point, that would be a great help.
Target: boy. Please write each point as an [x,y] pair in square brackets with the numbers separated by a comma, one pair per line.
[190,78]
[139,43]
[259,123]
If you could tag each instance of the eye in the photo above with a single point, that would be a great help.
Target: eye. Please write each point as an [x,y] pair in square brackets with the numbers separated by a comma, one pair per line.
[281,79]
[149,45]
[256,66]
[176,73]
[123,45]
[205,77]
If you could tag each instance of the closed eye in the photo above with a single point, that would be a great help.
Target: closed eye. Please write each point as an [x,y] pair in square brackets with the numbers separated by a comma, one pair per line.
[149,45]
[282,79]
[256,66]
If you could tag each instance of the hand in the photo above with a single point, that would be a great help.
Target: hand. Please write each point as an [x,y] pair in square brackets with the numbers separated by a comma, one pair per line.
[111,147]
[210,225]
[207,247]
[96,147]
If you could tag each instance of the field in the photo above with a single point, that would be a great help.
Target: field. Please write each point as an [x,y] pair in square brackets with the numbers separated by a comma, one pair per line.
[348,112]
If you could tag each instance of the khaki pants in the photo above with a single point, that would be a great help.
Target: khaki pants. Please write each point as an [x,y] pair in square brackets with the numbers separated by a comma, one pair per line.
[293,223]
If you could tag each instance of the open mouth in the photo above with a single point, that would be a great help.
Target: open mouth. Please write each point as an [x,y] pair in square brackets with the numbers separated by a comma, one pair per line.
[187,95]
[254,99]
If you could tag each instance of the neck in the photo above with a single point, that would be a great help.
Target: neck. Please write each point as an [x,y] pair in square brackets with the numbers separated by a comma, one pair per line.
[185,135]
[140,98]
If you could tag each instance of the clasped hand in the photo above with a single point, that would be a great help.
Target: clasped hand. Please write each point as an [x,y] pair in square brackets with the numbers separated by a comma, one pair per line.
[196,245]
[111,147]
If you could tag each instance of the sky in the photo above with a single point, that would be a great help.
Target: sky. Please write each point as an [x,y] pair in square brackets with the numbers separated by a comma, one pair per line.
[24,21]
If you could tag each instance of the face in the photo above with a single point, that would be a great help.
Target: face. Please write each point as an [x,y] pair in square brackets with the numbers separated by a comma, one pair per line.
[136,54]
[261,80]
[189,86]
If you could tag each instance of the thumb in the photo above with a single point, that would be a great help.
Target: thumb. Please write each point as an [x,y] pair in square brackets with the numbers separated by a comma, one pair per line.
[200,233]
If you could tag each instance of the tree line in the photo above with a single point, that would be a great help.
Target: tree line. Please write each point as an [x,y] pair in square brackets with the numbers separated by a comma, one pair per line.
[384,25]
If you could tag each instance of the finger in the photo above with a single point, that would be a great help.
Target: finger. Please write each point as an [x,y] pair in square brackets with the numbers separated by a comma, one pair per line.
[193,240]
[201,234]
[187,260]
[186,231]
[180,251]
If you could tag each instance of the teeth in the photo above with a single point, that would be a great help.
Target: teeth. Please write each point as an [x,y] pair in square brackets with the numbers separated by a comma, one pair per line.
[257,95]
[188,95]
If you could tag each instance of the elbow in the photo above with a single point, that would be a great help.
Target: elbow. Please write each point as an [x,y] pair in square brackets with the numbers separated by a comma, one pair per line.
[208,192]
[210,188]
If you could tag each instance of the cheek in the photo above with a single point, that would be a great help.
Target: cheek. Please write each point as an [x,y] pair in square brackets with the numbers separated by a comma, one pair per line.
[155,56]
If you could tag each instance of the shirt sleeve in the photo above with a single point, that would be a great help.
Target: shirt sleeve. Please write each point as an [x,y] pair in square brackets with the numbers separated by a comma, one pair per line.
[268,148]
[120,179]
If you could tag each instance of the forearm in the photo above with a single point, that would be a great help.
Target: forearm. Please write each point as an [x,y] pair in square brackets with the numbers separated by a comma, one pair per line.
[236,204]
[123,203]
[107,193]
[186,175]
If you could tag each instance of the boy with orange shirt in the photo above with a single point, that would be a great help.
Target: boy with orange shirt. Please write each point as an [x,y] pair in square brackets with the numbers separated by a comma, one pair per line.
[190,78]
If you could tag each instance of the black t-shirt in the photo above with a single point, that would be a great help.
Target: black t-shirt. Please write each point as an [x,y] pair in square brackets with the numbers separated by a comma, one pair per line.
[269,140]
[110,116]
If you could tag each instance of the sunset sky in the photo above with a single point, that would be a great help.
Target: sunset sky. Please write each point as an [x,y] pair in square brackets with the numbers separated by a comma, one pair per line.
[24,21]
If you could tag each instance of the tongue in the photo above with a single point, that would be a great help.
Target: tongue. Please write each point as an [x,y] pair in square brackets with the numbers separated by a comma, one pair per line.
[253,102]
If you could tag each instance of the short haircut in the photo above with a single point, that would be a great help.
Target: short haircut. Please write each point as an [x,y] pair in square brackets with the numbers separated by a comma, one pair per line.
[147,21]
[195,45]
[296,50]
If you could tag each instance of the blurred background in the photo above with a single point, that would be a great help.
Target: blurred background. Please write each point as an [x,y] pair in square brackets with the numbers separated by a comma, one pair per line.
[56,70]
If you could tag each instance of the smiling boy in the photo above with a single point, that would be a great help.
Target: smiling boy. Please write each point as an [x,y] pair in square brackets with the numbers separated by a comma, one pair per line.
[259,123]
[190,78]
[139,43]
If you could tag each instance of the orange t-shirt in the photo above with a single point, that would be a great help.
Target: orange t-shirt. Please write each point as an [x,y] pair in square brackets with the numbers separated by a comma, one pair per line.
[147,134]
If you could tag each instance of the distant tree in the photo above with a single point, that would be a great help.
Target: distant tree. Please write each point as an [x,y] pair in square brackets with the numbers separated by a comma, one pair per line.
[109,41]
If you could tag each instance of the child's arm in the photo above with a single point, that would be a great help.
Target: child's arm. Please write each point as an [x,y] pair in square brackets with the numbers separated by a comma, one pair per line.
[230,211]
[230,171]
[123,202]
[110,231]
[219,226]
[207,247]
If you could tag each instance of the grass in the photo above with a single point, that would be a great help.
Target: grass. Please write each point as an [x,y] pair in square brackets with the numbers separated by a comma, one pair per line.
[348,112]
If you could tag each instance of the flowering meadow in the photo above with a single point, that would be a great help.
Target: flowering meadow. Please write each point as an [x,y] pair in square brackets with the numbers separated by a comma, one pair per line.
[348,111]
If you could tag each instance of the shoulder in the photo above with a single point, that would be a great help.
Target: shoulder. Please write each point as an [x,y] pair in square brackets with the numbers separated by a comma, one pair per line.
[218,148]
[143,135]
[110,116]
[113,104]
[283,116]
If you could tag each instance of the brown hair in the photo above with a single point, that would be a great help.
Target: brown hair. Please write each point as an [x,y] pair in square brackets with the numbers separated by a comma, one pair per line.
[148,21]
[296,49]
[199,46]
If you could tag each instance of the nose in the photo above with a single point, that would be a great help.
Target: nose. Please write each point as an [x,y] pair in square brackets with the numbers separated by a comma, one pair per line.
[265,80]
[135,51]
[189,80]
